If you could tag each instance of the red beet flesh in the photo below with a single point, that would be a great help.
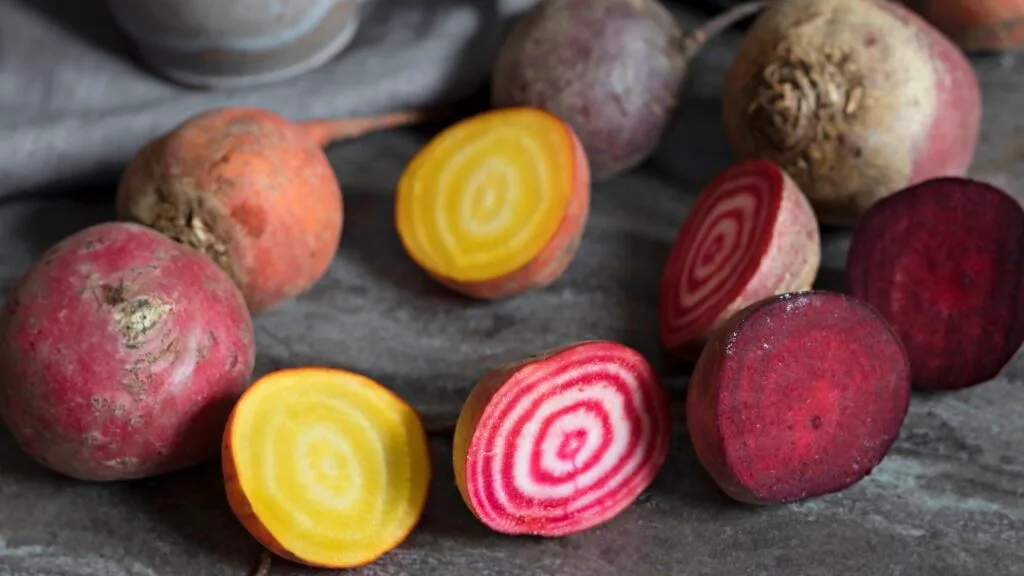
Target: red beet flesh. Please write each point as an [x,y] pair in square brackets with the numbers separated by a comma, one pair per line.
[751,234]
[121,355]
[943,262]
[797,396]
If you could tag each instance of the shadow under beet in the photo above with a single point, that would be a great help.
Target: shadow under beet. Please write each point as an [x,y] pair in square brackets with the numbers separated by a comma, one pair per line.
[16,465]
[694,148]
[370,239]
[193,505]
[446,514]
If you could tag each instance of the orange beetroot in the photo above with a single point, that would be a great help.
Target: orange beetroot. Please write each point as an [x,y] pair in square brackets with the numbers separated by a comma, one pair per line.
[251,190]
[121,355]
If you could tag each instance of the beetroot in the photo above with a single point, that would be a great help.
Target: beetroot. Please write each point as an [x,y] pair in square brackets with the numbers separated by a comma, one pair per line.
[943,262]
[797,396]
[855,99]
[121,354]
[612,69]
[750,234]
[563,441]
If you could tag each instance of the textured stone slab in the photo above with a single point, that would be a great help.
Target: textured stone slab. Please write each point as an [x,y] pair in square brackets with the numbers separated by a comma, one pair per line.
[948,501]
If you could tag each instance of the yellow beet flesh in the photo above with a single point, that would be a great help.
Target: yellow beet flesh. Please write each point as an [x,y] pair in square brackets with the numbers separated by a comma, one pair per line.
[326,467]
[487,195]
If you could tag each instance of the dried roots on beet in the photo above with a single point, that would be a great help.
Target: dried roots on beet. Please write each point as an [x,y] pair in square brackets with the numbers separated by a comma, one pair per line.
[251,190]
[797,396]
[563,441]
[612,69]
[855,99]
[121,355]
[751,234]
[325,467]
[495,205]
[943,262]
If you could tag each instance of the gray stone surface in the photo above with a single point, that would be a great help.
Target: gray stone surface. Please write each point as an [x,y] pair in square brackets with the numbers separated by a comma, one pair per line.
[947,501]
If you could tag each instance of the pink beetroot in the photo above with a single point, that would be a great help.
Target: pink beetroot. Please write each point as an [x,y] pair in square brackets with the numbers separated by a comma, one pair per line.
[943,262]
[797,396]
[751,234]
[121,354]
[563,441]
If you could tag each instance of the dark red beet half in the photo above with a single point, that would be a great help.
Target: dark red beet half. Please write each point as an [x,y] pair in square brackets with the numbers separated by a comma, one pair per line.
[943,262]
[797,396]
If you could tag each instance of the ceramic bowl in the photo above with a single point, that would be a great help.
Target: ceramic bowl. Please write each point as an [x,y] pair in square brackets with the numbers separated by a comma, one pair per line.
[231,43]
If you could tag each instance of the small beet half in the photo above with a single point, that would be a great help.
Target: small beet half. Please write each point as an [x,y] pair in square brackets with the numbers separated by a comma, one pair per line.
[750,234]
[562,441]
[797,396]
[943,262]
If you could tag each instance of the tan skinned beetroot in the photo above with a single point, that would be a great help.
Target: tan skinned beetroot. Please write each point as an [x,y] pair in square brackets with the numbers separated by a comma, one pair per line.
[250,189]
[855,99]
[121,355]
[751,234]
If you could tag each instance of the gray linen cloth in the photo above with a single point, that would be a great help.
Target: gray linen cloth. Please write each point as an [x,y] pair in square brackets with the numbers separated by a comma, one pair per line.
[74,104]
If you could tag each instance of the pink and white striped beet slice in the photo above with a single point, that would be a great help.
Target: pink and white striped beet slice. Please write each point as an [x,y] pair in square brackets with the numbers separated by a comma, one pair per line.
[563,441]
[750,234]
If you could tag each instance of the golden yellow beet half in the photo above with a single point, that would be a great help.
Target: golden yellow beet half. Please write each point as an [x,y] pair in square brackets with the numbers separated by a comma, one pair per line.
[325,467]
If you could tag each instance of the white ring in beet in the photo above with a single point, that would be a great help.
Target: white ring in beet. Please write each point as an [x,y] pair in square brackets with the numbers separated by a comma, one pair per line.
[563,442]
[750,234]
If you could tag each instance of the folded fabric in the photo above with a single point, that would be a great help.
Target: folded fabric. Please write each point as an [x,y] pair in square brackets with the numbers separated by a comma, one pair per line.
[74,103]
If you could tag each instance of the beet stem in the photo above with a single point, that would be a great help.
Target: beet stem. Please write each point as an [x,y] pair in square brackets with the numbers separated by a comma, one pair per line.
[328,130]
[705,32]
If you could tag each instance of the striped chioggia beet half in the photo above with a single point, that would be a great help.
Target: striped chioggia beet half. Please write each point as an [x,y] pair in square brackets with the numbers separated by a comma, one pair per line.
[750,234]
[563,441]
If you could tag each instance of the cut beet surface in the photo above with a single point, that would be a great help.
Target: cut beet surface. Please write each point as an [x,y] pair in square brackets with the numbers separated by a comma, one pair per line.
[943,262]
[563,441]
[797,396]
[751,234]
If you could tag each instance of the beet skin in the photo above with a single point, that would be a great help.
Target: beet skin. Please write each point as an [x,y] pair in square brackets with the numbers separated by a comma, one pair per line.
[251,190]
[855,99]
[797,396]
[943,262]
[122,353]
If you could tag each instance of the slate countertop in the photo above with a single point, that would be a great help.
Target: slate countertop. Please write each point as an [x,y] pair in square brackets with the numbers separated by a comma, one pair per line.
[947,501]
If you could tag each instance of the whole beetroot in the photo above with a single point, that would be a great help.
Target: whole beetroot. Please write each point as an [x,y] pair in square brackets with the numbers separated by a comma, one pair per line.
[612,69]
[122,353]
[855,99]
[250,189]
